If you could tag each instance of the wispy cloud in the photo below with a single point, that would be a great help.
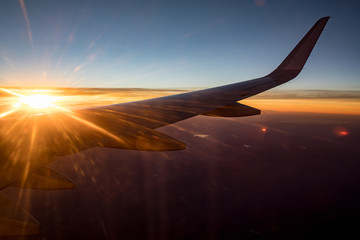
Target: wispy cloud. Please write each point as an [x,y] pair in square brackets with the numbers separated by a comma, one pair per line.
[318,101]
[71,38]
[310,94]
[7,60]
[190,34]
[22,5]
[210,25]
[90,59]
[215,23]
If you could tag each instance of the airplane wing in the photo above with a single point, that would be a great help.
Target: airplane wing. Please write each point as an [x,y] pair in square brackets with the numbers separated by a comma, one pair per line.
[154,113]
[31,142]
[218,101]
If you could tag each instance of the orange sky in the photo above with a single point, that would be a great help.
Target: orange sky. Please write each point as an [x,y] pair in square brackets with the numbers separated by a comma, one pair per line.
[337,102]
[337,106]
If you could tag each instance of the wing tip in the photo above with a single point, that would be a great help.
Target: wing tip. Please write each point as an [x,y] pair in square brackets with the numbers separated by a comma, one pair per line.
[322,21]
[324,18]
[295,61]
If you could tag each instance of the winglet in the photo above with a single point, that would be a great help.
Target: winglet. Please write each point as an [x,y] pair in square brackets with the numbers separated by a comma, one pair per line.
[295,61]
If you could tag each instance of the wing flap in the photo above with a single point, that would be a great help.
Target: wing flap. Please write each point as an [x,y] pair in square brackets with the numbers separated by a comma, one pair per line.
[15,221]
[236,110]
[45,179]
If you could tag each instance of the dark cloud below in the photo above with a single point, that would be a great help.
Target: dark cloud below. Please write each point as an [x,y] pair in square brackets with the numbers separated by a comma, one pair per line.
[297,180]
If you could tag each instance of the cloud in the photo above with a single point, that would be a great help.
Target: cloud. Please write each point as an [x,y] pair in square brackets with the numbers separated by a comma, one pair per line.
[190,34]
[23,8]
[210,25]
[7,60]
[90,59]
[215,23]
[71,38]
[309,94]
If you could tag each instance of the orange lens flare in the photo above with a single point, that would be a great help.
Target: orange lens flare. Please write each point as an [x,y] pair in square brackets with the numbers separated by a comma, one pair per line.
[341,131]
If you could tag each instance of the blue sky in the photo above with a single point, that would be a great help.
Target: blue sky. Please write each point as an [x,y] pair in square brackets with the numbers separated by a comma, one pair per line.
[173,44]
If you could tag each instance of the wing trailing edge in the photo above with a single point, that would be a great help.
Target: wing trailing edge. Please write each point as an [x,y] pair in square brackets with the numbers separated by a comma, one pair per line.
[235,110]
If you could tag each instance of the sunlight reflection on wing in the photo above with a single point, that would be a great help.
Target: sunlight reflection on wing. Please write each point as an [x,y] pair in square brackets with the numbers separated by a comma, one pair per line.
[94,126]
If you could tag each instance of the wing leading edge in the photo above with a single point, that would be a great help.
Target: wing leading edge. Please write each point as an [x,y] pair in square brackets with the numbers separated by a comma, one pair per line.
[157,112]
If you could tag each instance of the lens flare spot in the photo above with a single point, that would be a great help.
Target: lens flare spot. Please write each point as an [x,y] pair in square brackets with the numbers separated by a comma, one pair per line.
[259,3]
[341,131]
[264,130]
[38,100]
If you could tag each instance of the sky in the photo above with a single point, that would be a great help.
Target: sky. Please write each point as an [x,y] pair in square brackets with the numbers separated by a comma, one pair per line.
[173,44]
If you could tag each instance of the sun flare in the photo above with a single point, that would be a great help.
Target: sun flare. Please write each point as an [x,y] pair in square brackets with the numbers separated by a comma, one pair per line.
[36,101]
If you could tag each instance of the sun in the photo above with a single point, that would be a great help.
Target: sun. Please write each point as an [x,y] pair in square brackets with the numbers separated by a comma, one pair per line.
[36,101]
